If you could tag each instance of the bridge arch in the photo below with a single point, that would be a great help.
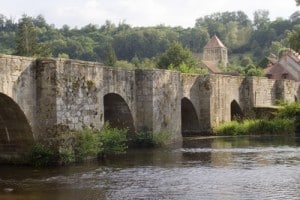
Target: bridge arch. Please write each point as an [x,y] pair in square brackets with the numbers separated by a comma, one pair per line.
[117,112]
[16,136]
[236,111]
[189,118]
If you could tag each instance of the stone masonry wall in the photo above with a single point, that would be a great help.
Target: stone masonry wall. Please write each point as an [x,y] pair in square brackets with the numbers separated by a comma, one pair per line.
[78,102]
[62,94]
[144,99]
[166,103]
[17,80]
[265,91]
[224,90]
[198,90]
[121,82]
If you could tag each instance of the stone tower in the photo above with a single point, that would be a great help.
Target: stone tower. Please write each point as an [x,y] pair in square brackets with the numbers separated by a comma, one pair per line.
[215,51]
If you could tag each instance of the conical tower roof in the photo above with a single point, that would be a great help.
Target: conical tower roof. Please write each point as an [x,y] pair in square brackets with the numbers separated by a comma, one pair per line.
[214,42]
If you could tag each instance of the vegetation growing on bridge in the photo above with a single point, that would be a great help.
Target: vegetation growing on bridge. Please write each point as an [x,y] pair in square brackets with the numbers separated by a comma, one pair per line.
[93,143]
[90,143]
[286,121]
[147,138]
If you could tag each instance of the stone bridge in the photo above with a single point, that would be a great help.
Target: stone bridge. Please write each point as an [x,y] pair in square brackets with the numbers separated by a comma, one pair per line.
[40,98]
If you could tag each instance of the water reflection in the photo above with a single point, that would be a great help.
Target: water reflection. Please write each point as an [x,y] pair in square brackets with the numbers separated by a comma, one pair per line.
[210,168]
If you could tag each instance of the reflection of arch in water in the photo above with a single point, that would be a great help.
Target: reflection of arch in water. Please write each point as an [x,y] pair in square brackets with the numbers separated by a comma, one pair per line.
[117,112]
[16,136]
[236,111]
[189,119]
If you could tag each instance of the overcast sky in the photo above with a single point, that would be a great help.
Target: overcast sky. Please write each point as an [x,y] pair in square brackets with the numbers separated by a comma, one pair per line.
[138,12]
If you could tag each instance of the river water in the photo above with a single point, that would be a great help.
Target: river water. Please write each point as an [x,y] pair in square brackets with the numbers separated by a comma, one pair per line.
[232,168]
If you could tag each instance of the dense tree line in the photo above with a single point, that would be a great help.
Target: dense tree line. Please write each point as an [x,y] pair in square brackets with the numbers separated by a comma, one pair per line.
[110,43]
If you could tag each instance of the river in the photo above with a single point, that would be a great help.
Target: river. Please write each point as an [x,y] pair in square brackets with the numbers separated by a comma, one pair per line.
[233,168]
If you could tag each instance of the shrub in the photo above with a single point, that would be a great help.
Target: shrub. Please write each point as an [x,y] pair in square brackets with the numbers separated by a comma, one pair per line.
[143,139]
[147,138]
[161,138]
[66,155]
[277,126]
[89,144]
[40,155]
[113,140]
[290,111]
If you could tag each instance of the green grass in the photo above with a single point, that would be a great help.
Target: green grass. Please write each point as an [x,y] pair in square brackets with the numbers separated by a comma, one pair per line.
[277,126]
[285,122]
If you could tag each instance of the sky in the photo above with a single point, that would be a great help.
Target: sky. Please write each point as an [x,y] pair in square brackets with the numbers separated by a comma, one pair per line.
[78,13]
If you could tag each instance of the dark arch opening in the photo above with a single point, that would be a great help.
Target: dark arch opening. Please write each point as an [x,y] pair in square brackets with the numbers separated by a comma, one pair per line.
[295,98]
[236,111]
[117,113]
[189,119]
[16,136]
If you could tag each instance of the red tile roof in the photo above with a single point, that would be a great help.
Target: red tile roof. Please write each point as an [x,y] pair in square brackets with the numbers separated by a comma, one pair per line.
[277,71]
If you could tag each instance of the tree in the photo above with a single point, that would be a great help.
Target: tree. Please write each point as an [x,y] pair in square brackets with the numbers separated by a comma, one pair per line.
[251,70]
[246,61]
[175,56]
[26,39]
[294,38]
[194,38]
[261,18]
[111,57]
[276,47]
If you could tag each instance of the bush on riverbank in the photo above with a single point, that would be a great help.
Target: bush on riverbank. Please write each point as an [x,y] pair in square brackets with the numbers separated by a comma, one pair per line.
[113,140]
[147,138]
[277,126]
[291,111]
[90,143]
[40,155]
[286,121]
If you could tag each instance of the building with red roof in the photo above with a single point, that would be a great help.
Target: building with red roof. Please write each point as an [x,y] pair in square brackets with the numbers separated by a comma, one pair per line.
[286,67]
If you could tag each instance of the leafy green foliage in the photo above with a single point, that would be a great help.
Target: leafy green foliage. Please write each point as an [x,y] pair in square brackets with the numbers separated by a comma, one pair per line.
[251,70]
[66,156]
[161,138]
[89,143]
[111,57]
[41,155]
[124,64]
[277,126]
[113,140]
[175,56]
[184,68]
[109,41]
[26,38]
[143,139]
[294,38]
[290,111]
[286,121]
[147,138]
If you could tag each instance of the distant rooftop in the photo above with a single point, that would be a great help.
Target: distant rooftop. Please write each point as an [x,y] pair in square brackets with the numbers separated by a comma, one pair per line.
[214,42]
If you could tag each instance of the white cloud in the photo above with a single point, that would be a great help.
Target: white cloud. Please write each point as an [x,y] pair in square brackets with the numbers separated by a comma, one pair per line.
[138,12]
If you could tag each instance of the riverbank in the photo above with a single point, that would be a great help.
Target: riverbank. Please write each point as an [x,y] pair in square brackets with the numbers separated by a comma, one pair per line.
[285,121]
